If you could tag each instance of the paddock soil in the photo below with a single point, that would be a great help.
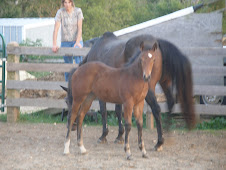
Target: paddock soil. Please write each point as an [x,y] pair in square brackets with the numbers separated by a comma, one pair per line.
[40,146]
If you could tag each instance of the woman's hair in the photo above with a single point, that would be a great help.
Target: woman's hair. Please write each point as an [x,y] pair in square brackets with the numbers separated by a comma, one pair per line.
[72,3]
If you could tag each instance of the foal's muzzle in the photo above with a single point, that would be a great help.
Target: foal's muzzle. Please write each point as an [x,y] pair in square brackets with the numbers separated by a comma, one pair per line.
[146,78]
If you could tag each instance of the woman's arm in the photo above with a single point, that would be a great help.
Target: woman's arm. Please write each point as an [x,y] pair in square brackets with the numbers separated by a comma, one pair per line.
[79,35]
[55,33]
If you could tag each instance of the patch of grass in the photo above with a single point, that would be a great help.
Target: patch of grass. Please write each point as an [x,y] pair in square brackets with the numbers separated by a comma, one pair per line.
[218,123]
[3,117]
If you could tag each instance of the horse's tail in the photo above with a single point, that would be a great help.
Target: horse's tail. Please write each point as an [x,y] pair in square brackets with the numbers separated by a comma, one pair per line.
[177,65]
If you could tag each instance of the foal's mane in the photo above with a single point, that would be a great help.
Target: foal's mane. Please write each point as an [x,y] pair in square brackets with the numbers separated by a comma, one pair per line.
[145,46]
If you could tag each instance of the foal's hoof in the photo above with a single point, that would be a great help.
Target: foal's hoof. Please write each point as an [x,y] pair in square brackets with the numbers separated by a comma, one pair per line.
[144,156]
[129,157]
[84,153]
[102,140]
[66,153]
[119,141]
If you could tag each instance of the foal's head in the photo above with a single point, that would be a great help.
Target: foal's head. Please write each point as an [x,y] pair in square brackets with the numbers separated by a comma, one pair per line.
[147,58]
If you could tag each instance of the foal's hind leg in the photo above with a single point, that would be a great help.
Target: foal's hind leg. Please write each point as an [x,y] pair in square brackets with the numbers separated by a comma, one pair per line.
[105,131]
[118,110]
[83,110]
[151,100]
[138,113]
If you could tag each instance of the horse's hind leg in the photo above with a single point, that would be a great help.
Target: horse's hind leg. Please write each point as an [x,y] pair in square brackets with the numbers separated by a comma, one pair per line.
[83,110]
[151,100]
[72,117]
[170,101]
[138,113]
[118,110]
[105,131]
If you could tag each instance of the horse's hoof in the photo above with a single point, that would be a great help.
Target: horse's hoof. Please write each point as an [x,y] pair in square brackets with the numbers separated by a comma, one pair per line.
[102,141]
[144,156]
[129,157]
[119,141]
[158,148]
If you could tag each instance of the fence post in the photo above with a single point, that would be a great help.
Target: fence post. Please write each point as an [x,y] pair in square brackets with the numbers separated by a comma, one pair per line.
[13,113]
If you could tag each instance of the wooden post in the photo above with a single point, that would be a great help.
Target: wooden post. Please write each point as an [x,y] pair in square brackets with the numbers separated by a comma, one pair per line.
[13,113]
[149,119]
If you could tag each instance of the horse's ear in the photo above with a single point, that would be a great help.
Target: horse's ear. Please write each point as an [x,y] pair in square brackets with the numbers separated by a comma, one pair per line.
[155,46]
[141,46]
[64,88]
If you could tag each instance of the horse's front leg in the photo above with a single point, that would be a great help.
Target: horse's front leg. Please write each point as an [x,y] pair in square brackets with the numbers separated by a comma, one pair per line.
[151,100]
[118,110]
[138,113]
[82,112]
[103,112]
[128,122]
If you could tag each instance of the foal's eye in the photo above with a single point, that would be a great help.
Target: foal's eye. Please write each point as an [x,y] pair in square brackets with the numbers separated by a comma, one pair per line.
[149,55]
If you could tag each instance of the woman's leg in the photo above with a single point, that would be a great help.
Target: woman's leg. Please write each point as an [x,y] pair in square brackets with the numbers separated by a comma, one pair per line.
[78,59]
[67,59]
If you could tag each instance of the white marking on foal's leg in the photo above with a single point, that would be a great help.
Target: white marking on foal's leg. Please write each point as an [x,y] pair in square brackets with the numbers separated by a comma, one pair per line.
[144,153]
[66,147]
[82,149]
[128,153]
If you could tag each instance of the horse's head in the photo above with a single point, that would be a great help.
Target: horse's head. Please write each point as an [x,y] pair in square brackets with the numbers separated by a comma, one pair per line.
[147,58]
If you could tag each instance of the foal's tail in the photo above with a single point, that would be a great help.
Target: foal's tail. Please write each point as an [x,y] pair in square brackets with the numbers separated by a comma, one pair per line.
[178,67]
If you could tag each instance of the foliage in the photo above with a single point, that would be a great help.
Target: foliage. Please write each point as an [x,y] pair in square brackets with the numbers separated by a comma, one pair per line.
[25,58]
[30,43]
[99,16]
[215,123]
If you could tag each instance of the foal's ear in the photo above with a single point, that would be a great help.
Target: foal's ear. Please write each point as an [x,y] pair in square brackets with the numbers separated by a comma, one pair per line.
[64,88]
[141,46]
[155,46]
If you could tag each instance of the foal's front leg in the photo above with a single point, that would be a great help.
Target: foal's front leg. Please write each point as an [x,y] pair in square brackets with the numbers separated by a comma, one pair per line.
[73,114]
[138,113]
[128,122]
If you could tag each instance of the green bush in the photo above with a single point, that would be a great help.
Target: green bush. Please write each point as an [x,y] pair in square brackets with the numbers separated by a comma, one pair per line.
[215,123]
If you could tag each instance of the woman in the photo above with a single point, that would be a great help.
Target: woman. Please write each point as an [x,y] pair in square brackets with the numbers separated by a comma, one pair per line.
[70,18]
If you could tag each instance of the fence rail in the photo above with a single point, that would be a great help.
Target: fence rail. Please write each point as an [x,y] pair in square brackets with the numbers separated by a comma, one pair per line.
[14,85]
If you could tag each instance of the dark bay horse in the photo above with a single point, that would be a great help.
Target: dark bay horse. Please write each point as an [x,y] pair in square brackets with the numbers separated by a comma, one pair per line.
[127,85]
[171,68]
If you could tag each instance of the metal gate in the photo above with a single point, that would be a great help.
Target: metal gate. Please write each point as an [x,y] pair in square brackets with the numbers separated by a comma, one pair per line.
[2,81]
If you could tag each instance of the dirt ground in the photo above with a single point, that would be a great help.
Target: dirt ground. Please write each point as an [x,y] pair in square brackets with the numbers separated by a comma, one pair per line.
[40,146]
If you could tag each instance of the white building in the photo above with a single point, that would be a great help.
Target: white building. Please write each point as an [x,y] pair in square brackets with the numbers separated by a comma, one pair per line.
[21,29]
